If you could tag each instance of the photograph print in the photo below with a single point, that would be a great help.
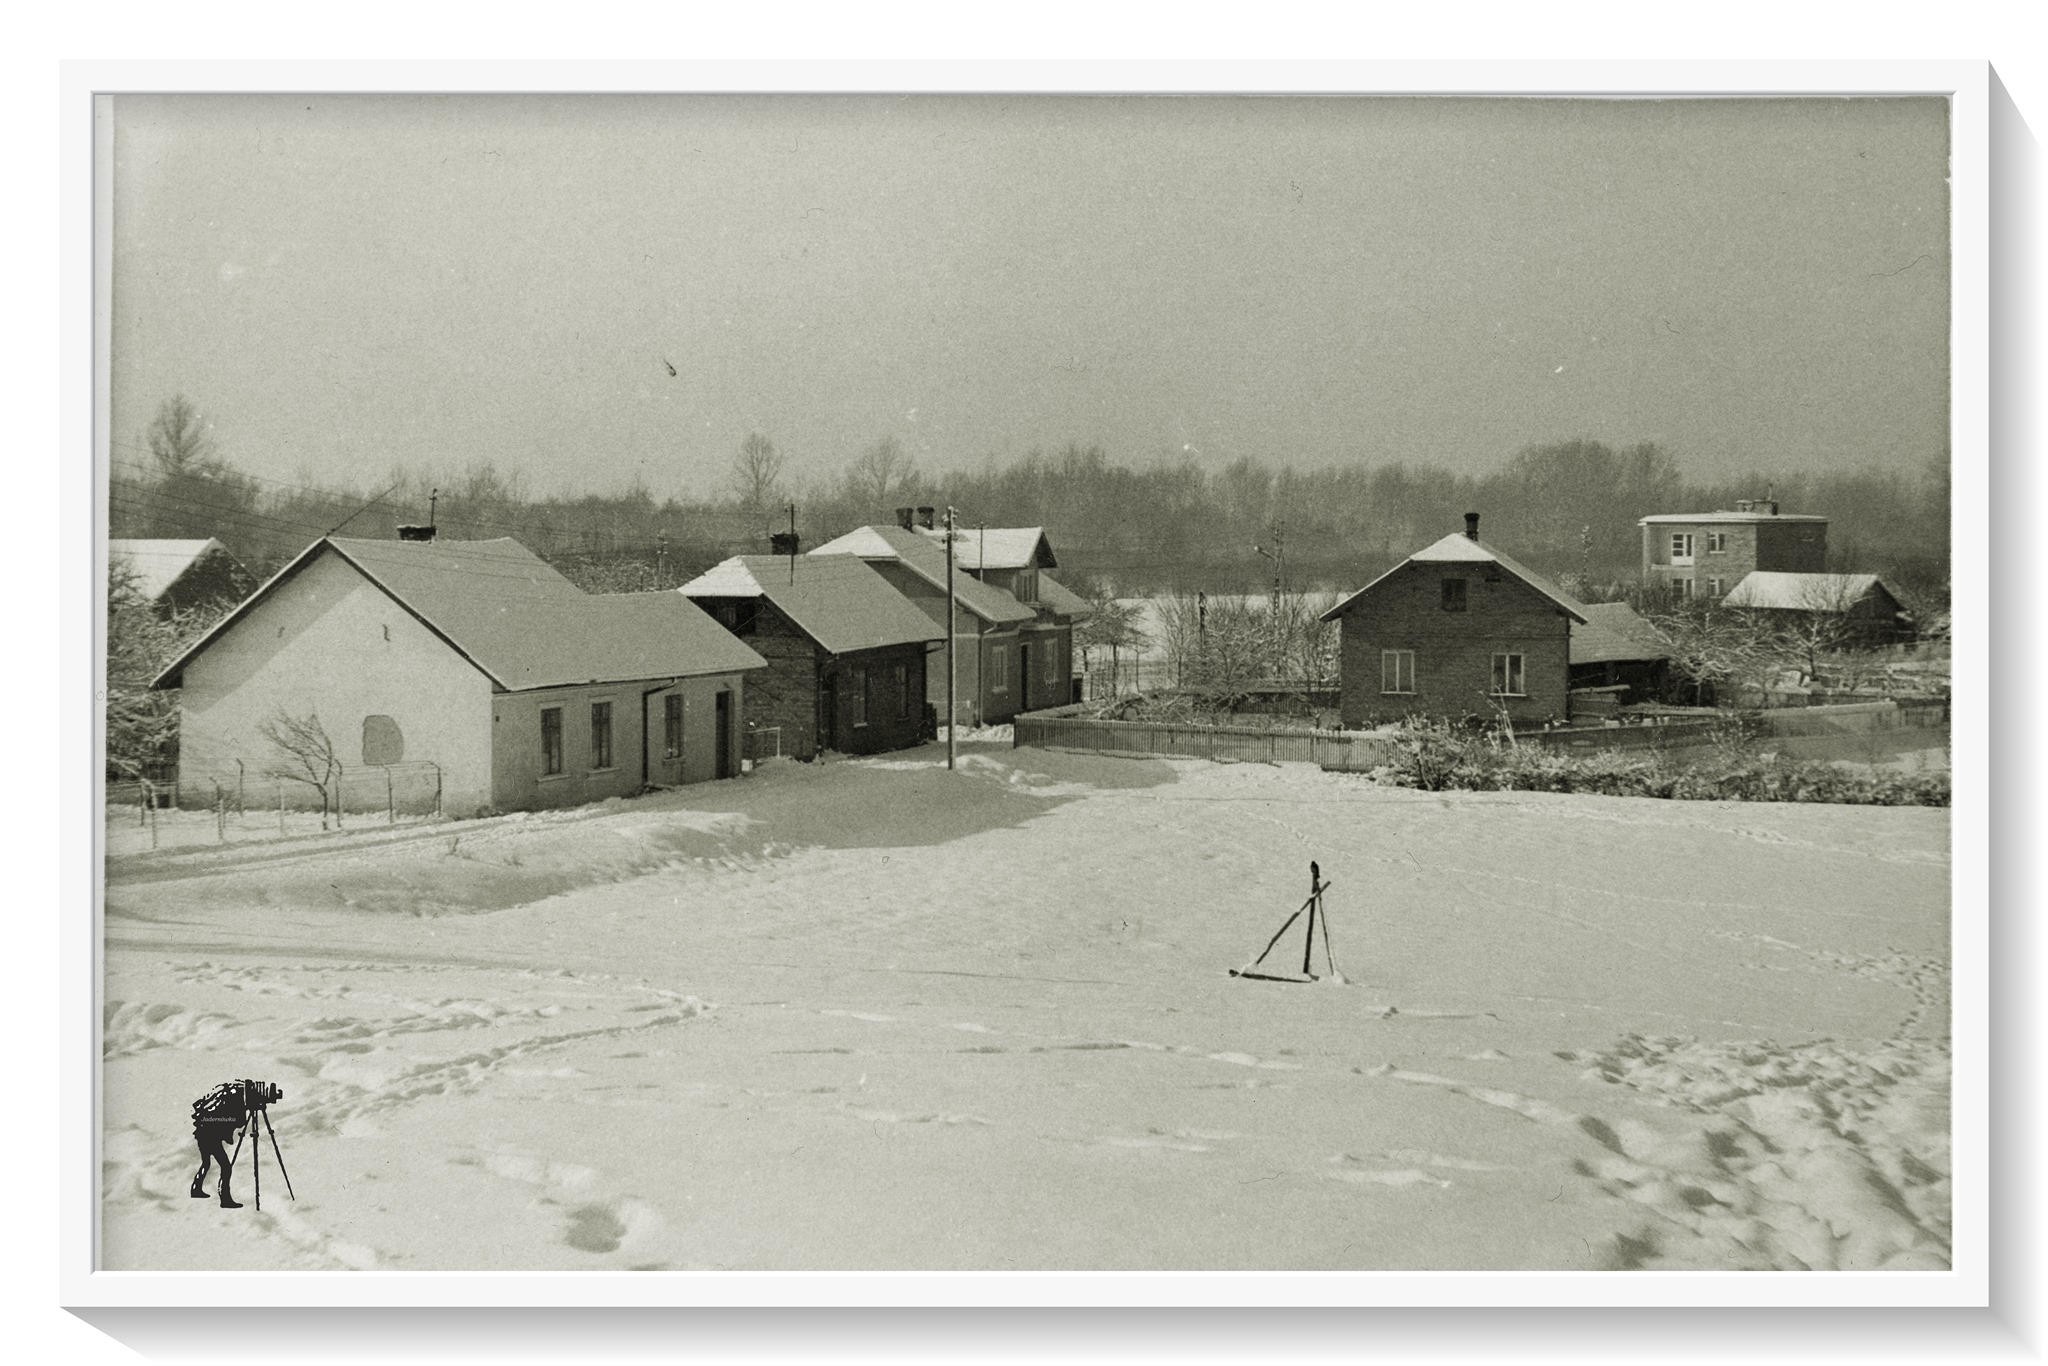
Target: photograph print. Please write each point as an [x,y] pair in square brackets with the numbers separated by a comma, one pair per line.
[708,683]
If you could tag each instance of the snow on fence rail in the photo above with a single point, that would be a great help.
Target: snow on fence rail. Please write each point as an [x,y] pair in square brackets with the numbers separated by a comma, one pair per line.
[1064,728]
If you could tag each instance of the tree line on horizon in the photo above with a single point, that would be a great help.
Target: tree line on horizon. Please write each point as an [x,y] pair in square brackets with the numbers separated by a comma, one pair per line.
[1566,508]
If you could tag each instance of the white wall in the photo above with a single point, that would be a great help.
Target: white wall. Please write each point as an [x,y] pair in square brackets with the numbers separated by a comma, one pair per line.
[331,644]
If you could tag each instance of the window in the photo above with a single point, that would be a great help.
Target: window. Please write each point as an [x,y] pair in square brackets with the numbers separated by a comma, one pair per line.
[551,740]
[1454,595]
[600,735]
[1717,543]
[1716,587]
[1508,680]
[900,675]
[1682,587]
[1052,662]
[742,618]
[1397,671]
[1681,547]
[672,726]
[1027,585]
[998,669]
[857,696]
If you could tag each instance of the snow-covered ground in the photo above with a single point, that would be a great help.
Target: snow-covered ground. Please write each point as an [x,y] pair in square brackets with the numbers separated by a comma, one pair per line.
[875,1014]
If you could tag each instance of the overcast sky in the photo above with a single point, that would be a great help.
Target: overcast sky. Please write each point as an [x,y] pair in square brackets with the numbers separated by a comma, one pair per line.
[345,285]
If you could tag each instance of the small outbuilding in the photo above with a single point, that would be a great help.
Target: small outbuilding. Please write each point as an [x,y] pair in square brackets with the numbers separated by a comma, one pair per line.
[1617,653]
[1867,612]
[1457,630]
[178,576]
[847,655]
[473,657]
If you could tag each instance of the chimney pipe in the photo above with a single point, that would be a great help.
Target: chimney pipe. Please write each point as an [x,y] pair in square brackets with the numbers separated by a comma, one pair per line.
[416,533]
[1472,525]
[924,518]
[905,517]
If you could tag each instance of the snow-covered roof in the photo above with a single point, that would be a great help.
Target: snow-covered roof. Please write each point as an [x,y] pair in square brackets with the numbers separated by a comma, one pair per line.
[1611,633]
[516,619]
[1458,548]
[836,600]
[928,561]
[1705,518]
[1780,591]
[1062,600]
[159,564]
[997,547]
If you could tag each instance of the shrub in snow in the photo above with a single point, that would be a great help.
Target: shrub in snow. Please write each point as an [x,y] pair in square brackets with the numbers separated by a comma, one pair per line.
[1435,756]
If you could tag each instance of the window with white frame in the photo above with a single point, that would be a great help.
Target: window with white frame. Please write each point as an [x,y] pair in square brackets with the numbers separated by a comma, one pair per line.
[1397,671]
[1681,547]
[1682,587]
[1717,542]
[600,735]
[998,669]
[1716,587]
[1508,677]
[1052,661]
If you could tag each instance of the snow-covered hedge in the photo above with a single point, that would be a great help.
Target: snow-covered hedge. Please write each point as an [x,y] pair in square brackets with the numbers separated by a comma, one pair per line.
[1438,757]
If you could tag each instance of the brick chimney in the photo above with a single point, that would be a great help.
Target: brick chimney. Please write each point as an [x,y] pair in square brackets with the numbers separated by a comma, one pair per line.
[416,533]
[1472,525]
[924,518]
[906,518]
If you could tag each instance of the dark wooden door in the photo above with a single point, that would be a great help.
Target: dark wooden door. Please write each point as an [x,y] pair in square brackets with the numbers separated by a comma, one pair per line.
[722,718]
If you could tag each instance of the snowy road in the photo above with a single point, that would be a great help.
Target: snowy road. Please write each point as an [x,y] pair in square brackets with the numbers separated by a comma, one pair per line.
[871,1014]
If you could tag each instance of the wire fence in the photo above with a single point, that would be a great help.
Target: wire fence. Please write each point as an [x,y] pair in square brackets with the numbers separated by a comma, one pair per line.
[241,797]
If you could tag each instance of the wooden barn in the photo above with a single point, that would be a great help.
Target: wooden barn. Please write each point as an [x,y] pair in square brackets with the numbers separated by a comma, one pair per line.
[990,622]
[475,656]
[1456,630]
[847,655]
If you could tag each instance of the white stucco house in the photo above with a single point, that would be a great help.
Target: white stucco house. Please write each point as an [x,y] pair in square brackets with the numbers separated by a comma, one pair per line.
[475,657]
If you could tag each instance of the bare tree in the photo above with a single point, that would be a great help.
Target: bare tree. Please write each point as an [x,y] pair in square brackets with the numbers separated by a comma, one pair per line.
[756,472]
[881,470]
[306,755]
[1821,624]
[178,438]
[1712,646]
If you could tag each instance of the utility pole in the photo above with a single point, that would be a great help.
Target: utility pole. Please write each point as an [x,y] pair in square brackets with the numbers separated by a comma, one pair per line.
[952,631]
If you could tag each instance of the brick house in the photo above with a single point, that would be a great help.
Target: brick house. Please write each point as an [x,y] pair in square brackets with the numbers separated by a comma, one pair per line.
[1705,554]
[848,655]
[524,691]
[1456,630]
[1015,559]
[990,622]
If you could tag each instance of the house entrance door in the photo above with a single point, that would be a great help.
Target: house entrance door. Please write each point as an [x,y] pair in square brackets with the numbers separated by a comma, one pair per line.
[1023,677]
[722,719]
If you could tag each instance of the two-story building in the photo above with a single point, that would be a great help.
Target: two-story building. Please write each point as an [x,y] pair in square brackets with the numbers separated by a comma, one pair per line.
[988,622]
[1015,559]
[1705,554]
